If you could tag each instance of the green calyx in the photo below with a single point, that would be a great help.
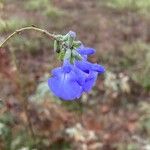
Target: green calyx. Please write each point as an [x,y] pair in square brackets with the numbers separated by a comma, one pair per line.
[66,47]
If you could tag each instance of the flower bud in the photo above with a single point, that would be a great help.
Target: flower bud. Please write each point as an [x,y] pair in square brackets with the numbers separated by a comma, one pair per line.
[72,34]
[77,44]
[76,55]
[67,54]
[56,46]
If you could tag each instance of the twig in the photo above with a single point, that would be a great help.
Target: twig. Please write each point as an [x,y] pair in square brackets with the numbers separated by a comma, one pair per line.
[27,28]
[23,98]
[20,81]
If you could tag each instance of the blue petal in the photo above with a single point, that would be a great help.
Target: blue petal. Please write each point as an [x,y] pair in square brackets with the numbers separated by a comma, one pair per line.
[57,71]
[90,81]
[65,87]
[84,65]
[80,76]
[98,68]
[72,34]
[87,66]
[67,67]
[86,50]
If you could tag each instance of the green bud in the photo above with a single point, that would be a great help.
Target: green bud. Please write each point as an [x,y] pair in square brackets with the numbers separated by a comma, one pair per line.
[72,59]
[56,46]
[68,54]
[76,55]
[77,44]
[59,37]
[65,37]
[69,38]
[70,41]
[61,55]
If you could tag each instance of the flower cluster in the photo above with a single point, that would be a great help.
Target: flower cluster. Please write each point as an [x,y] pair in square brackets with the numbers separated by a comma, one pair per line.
[77,74]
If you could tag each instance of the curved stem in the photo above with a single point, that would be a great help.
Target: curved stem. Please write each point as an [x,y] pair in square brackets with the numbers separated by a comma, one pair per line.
[27,28]
[19,80]
[23,98]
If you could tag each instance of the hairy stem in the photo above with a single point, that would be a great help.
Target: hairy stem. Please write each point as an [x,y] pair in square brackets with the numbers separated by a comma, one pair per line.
[27,28]
[23,98]
[19,77]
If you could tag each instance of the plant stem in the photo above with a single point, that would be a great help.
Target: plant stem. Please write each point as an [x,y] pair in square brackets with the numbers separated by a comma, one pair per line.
[27,28]
[19,77]
[23,98]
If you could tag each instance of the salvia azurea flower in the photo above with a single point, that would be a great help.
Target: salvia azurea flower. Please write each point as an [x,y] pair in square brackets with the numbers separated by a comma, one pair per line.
[77,75]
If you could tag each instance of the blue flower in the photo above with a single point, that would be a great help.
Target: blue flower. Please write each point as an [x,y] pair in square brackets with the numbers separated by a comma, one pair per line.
[65,82]
[90,81]
[91,70]
[71,80]
[85,51]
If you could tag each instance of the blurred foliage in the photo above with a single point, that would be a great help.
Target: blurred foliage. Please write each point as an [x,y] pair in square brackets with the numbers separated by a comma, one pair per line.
[6,121]
[137,5]
[34,5]
[41,93]
[13,139]
[25,44]
[44,6]
[53,12]
[124,146]
[75,106]
[34,47]
[114,83]
[17,138]
[137,61]
[11,24]
[1,4]
[61,145]
[144,122]
[131,146]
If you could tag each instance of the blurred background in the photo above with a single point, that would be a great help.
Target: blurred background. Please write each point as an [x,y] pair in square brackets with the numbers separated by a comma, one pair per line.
[115,115]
